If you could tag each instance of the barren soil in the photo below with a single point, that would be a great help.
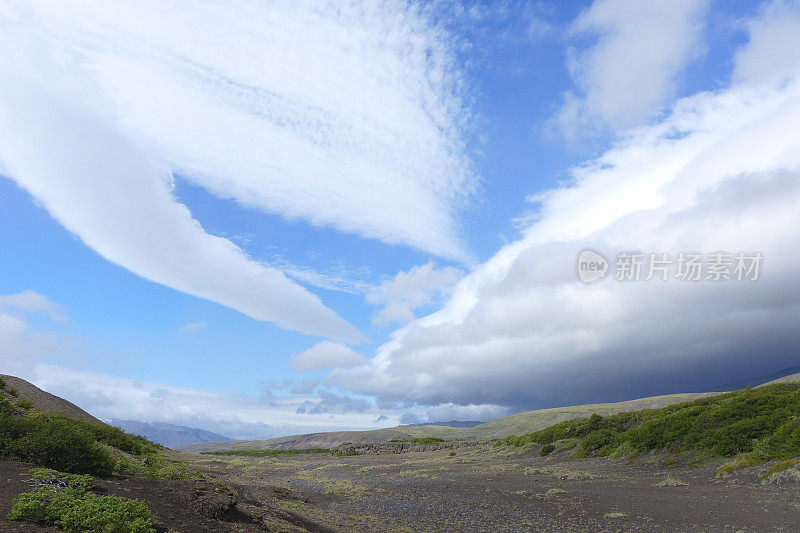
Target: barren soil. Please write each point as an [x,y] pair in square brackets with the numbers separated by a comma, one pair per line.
[480,488]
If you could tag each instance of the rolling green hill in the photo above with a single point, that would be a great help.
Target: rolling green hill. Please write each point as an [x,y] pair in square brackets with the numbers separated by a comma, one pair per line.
[499,428]
[517,424]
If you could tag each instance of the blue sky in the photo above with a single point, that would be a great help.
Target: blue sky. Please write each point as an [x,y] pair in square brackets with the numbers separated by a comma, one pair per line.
[189,220]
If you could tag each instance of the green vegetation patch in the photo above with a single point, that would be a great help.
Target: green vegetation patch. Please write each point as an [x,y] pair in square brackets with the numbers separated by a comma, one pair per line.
[271,453]
[744,460]
[764,421]
[65,502]
[24,404]
[49,477]
[163,467]
[670,481]
[66,444]
[346,453]
[779,467]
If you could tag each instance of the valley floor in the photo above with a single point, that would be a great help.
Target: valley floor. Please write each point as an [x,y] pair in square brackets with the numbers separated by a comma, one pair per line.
[480,488]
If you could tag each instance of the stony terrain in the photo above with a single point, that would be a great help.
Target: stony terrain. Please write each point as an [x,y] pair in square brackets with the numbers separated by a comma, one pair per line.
[482,488]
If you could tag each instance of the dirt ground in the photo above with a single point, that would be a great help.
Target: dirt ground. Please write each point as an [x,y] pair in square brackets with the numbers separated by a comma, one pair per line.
[483,489]
[477,489]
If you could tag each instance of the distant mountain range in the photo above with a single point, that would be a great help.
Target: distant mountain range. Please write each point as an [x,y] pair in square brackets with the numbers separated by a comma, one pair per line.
[168,435]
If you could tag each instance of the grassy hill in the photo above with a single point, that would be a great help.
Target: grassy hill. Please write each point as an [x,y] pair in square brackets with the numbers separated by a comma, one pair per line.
[763,421]
[517,424]
[495,429]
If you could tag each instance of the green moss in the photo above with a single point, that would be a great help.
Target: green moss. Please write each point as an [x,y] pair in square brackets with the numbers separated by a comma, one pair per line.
[779,467]
[671,482]
[745,460]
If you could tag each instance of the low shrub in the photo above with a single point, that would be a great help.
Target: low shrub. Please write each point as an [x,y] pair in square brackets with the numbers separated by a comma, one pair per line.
[73,508]
[547,449]
[24,404]
[346,453]
[48,477]
[765,421]
[161,467]
[54,444]
[63,443]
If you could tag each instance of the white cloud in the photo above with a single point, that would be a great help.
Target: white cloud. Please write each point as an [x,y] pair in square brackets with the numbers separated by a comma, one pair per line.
[31,352]
[32,302]
[722,172]
[629,73]
[58,140]
[23,344]
[773,49]
[407,291]
[192,327]
[326,354]
[305,386]
[337,113]
[334,403]
[234,415]
[335,276]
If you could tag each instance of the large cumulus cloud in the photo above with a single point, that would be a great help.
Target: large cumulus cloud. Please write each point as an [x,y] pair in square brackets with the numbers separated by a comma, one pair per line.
[722,172]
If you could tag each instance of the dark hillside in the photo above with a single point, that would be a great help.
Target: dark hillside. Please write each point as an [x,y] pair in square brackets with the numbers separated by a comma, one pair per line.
[44,400]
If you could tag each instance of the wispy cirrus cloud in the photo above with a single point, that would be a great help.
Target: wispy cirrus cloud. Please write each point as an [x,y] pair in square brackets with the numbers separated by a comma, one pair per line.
[337,114]
[193,327]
